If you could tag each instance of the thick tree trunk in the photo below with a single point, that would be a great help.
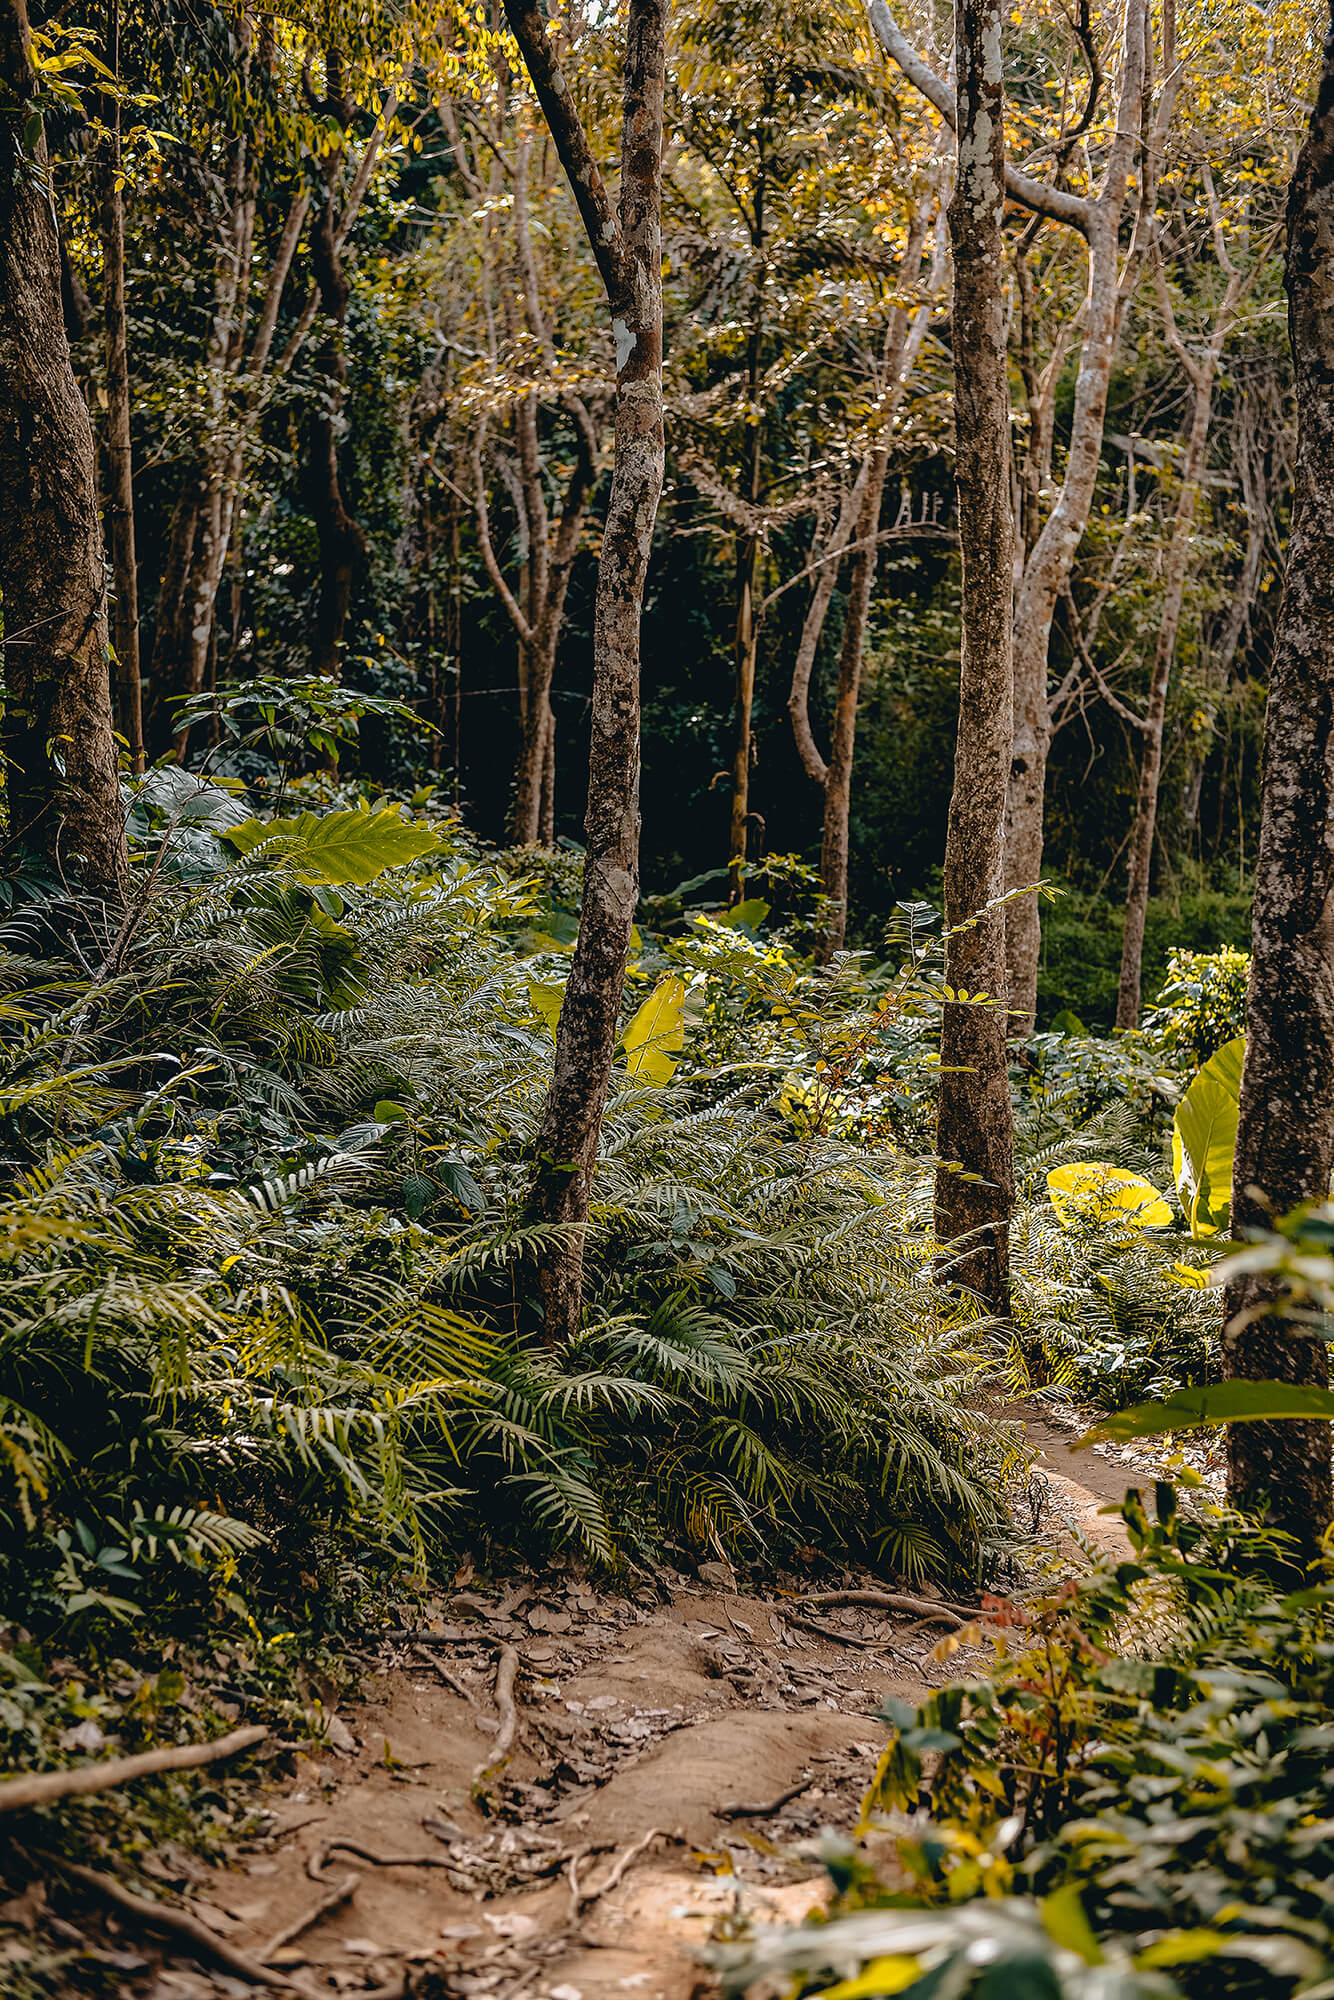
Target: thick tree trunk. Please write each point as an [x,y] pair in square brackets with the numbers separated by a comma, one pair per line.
[1285,1134]
[627,245]
[843,735]
[974,1127]
[62,786]
[120,482]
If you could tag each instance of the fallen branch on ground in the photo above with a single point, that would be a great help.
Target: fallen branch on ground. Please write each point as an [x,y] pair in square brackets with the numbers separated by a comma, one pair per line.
[774,1805]
[177,1923]
[334,1897]
[450,1680]
[509,1716]
[18,1793]
[894,1600]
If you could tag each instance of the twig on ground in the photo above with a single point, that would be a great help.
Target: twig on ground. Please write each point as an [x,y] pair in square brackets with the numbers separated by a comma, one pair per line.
[583,1899]
[450,1680]
[38,1790]
[893,1600]
[774,1805]
[509,1716]
[335,1895]
[177,1923]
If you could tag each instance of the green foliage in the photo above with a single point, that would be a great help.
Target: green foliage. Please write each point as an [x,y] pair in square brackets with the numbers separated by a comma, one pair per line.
[1202,1004]
[1204,1140]
[1142,1774]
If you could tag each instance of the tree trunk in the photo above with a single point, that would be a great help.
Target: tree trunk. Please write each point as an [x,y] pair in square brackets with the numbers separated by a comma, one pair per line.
[120,484]
[343,546]
[1151,759]
[627,245]
[745,647]
[838,782]
[1285,1133]
[62,784]
[1045,574]
[974,1127]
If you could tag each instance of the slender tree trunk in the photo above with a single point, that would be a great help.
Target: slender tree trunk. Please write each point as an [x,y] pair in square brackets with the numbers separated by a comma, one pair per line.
[343,547]
[1045,574]
[974,1127]
[62,784]
[120,496]
[745,647]
[843,735]
[1285,1133]
[627,245]
[1155,716]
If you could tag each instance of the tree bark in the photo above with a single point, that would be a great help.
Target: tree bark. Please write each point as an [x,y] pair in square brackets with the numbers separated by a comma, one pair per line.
[120,465]
[843,735]
[1285,1133]
[1047,570]
[62,783]
[745,646]
[1155,715]
[974,1128]
[627,245]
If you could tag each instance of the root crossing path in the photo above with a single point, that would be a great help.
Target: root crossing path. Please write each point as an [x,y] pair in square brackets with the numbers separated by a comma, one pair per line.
[556,1794]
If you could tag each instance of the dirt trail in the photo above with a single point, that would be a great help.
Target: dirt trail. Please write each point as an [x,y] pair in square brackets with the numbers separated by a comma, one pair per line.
[664,1712]
[634,1715]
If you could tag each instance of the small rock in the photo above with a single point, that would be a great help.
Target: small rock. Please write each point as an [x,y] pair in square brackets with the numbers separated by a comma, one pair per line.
[717,1575]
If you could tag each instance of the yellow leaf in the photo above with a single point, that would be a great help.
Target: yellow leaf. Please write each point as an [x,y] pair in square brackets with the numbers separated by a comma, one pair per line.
[546,1002]
[1091,1191]
[882,1975]
[657,1033]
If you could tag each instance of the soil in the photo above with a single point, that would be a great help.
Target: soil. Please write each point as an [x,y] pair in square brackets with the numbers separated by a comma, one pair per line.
[608,1844]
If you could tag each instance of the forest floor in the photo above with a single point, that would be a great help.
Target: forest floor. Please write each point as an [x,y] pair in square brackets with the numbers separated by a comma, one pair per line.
[675,1750]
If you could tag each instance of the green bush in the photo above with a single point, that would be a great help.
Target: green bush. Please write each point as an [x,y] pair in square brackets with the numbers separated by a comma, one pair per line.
[1141,1782]
[1202,1004]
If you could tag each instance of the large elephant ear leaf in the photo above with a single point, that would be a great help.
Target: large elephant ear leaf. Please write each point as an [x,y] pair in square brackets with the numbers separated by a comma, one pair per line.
[1089,1191]
[656,1036]
[1204,1140]
[1234,1402]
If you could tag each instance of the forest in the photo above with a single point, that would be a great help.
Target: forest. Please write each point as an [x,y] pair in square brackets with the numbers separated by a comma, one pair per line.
[666,999]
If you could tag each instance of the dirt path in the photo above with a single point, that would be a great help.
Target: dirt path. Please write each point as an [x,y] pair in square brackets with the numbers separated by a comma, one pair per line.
[665,1711]
[660,1714]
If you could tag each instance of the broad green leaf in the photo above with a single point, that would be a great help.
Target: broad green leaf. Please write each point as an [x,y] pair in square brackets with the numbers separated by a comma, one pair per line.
[1181,1948]
[1090,1191]
[1204,1139]
[353,846]
[545,1001]
[388,1112]
[1064,1921]
[745,916]
[1219,1403]
[1068,1022]
[657,1033]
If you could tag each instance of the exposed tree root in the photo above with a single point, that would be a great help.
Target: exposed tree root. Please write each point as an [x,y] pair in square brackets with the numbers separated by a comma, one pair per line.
[774,1805]
[894,1600]
[506,1672]
[191,1930]
[18,1793]
[334,1897]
